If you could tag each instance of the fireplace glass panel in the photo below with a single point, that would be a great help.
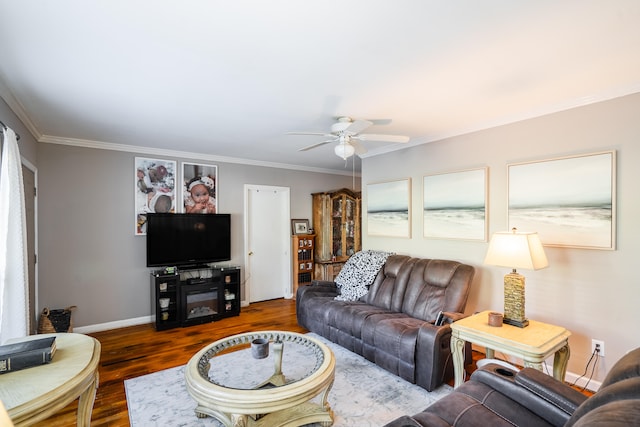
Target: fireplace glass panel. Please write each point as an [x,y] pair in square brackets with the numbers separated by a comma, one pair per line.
[201,303]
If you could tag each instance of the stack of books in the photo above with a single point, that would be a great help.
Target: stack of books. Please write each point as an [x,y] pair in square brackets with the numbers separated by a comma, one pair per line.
[26,354]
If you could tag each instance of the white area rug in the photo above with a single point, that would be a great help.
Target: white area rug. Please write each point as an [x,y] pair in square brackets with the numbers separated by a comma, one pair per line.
[362,395]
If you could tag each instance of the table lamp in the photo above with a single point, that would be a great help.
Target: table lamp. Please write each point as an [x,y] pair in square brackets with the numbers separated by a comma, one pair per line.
[515,249]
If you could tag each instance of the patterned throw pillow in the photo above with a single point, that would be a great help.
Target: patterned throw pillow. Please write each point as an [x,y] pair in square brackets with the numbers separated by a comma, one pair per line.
[358,274]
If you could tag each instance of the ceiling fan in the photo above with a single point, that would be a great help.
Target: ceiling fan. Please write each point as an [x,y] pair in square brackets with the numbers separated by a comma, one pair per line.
[346,132]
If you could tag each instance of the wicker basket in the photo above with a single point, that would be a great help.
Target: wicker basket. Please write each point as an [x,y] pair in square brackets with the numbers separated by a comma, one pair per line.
[58,320]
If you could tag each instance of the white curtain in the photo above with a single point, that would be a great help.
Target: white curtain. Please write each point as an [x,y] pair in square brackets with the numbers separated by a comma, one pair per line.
[14,302]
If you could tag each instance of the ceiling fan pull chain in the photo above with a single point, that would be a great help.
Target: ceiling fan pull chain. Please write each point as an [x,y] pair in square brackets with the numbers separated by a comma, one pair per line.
[353,173]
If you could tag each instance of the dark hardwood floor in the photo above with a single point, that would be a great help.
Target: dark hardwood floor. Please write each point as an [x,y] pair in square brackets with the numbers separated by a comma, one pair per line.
[140,350]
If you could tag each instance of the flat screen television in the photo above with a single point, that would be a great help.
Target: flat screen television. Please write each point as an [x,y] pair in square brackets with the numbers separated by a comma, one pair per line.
[187,239]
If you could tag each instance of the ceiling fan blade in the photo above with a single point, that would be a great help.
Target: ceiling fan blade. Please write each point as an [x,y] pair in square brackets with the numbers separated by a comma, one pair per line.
[380,122]
[358,147]
[309,147]
[383,138]
[358,126]
[309,133]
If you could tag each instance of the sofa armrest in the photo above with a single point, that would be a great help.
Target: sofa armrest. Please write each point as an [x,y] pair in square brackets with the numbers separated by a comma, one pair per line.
[540,393]
[433,345]
[324,283]
[317,288]
[453,316]
[550,389]
[310,295]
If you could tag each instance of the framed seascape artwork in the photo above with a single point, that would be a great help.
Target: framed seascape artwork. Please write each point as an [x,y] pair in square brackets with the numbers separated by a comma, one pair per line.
[154,189]
[199,188]
[389,208]
[455,205]
[569,201]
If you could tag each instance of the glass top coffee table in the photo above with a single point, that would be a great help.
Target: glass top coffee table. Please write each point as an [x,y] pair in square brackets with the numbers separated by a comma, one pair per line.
[231,385]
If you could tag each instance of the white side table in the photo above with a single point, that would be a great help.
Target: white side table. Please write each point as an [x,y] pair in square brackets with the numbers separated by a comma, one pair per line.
[533,344]
[34,394]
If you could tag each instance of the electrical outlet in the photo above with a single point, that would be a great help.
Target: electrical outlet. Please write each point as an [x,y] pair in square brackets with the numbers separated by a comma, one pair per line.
[600,345]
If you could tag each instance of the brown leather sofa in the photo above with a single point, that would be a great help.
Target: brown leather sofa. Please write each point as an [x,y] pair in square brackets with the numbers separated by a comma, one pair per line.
[393,324]
[496,396]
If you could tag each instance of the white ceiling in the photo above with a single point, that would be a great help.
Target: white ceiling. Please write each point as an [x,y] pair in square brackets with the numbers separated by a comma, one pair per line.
[230,78]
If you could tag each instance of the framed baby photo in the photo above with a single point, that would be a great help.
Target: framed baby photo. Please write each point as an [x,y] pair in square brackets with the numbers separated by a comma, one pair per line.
[154,189]
[199,188]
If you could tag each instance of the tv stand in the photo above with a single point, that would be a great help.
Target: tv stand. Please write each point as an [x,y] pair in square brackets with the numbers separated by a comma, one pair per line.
[196,281]
[194,296]
[194,267]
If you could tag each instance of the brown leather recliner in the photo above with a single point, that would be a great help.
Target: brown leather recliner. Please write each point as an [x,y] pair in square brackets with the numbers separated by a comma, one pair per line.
[496,396]
[393,324]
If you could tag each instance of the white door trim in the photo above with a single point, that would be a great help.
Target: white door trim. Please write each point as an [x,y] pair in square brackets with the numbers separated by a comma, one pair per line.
[27,164]
[286,221]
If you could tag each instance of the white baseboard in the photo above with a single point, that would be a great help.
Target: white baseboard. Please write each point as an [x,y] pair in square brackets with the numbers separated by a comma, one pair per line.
[114,325]
[570,378]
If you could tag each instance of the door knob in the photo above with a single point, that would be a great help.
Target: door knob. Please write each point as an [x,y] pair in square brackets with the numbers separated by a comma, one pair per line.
[250,253]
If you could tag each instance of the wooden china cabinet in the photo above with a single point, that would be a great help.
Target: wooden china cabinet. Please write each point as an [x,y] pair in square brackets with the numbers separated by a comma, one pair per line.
[336,223]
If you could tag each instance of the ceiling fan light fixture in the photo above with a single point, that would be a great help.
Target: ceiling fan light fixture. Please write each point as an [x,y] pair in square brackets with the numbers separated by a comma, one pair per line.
[348,133]
[344,150]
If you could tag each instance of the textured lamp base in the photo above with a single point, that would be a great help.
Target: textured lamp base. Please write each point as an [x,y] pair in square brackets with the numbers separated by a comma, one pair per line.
[514,300]
[518,323]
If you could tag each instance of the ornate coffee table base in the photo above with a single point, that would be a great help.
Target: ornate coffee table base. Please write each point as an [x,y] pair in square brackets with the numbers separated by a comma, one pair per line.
[302,414]
[287,405]
[277,379]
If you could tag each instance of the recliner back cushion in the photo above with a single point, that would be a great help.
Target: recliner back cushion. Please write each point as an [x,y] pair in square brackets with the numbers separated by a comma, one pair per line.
[436,285]
[621,391]
[620,413]
[627,367]
[387,290]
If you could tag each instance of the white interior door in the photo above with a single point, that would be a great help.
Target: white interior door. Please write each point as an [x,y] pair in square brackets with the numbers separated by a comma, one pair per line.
[268,242]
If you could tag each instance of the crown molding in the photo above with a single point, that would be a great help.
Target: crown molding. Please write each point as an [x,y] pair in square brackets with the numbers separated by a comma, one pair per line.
[7,95]
[85,143]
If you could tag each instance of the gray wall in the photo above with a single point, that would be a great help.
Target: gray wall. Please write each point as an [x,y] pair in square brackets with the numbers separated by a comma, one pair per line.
[89,255]
[593,293]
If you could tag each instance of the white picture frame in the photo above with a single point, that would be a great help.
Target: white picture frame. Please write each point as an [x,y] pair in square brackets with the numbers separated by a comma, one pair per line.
[455,205]
[202,181]
[154,189]
[570,201]
[389,208]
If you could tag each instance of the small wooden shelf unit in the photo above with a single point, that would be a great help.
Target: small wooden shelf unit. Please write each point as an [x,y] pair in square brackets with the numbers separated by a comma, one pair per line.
[302,246]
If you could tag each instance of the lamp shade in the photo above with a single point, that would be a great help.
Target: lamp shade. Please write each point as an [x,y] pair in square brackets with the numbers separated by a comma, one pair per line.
[515,249]
[344,150]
